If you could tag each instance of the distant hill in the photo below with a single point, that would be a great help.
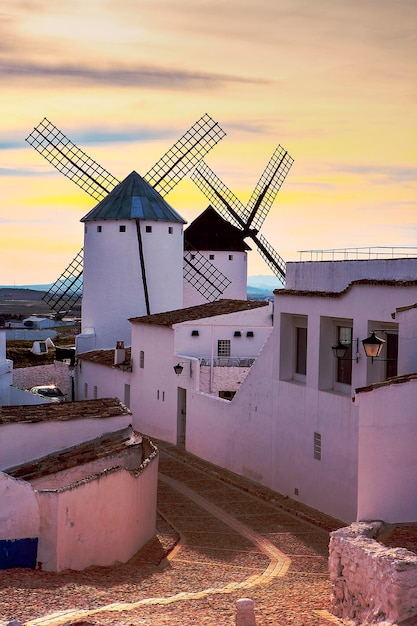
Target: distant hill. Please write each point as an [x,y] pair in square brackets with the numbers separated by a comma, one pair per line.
[264,283]
[34,287]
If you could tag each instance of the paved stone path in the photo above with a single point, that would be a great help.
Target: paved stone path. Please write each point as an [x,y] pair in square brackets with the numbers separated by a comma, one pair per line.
[231,543]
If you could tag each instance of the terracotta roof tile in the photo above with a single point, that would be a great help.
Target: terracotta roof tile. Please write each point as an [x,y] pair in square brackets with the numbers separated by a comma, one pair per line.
[106,357]
[337,294]
[107,445]
[211,309]
[395,380]
[49,411]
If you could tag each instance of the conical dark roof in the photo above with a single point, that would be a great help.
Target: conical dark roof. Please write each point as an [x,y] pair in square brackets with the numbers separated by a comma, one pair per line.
[133,198]
[209,231]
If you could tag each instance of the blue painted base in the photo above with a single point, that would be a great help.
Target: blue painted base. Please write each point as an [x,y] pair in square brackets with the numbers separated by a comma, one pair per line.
[18,553]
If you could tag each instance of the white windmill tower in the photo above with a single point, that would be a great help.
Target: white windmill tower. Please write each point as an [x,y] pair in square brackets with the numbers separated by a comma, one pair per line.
[222,244]
[132,262]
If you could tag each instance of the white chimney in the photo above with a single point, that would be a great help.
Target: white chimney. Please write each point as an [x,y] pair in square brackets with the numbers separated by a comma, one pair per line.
[119,353]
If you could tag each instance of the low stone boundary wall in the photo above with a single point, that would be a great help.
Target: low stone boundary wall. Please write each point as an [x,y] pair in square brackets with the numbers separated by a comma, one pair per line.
[56,373]
[370,582]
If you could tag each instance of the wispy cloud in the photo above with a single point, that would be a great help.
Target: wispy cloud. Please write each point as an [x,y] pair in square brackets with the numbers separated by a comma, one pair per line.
[385,174]
[123,77]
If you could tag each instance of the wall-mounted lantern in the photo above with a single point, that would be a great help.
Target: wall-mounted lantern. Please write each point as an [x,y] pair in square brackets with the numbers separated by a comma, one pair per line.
[178,368]
[373,345]
[340,349]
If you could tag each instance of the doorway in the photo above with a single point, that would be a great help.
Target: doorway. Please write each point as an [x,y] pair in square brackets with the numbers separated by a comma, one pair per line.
[181,416]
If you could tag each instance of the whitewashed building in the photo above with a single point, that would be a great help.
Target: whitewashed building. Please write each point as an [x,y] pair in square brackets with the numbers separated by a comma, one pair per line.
[335,433]
[338,434]
[77,486]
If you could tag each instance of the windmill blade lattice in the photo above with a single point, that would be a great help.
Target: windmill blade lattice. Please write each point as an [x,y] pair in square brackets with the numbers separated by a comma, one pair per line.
[220,196]
[204,276]
[267,188]
[71,161]
[184,155]
[275,262]
[67,289]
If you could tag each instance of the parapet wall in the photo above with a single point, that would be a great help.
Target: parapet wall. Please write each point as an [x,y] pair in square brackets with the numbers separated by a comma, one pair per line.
[370,582]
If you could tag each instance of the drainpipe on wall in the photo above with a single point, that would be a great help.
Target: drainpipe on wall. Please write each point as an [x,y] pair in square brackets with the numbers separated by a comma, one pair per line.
[212,360]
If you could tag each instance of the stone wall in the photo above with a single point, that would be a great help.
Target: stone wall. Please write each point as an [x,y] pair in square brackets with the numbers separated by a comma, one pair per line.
[371,583]
[222,379]
[56,373]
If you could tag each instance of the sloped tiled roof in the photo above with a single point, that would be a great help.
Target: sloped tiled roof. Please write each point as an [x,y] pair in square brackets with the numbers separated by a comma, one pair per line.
[50,411]
[133,198]
[209,231]
[107,445]
[105,357]
[211,309]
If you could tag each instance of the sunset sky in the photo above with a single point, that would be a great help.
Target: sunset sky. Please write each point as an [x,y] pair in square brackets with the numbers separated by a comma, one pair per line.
[333,81]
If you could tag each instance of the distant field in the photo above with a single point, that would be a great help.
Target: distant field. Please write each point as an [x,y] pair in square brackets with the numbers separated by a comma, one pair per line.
[26,302]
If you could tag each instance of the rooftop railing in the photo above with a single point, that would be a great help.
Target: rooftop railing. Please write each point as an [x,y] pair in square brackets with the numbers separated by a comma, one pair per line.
[361,253]
[240,361]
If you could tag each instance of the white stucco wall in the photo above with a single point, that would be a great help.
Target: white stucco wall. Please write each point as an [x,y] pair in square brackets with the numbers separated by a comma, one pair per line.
[154,392]
[407,339]
[22,442]
[267,432]
[154,402]
[109,382]
[19,509]
[234,269]
[337,275]
[387,487]
[113,288]
[98,522]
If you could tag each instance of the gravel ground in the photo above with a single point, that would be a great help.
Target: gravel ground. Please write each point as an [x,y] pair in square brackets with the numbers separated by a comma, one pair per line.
[211,559]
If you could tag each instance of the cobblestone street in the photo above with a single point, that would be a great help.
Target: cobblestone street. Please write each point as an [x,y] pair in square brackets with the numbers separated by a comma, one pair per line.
[220,538]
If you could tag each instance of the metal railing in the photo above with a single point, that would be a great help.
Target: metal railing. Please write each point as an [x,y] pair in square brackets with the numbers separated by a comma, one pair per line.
[234,361]
[362,253]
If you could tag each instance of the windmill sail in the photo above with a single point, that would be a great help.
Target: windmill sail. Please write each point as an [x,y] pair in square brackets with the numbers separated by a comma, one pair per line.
[71,161]
[249,218]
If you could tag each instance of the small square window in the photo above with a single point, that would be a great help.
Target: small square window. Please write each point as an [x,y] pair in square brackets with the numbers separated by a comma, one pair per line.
[211,257]
[230,257]
[148,229]
[170,230]
[122,229]
[99,229]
